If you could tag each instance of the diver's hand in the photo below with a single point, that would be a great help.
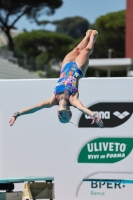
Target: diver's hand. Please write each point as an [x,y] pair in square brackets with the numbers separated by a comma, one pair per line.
[13,118]
[96,119]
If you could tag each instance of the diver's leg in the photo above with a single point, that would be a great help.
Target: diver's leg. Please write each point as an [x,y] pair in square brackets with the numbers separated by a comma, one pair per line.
[71,56]
[82,59]
[85,41]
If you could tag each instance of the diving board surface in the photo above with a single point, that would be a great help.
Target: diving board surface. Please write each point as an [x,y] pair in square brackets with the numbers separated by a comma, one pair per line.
[25,179]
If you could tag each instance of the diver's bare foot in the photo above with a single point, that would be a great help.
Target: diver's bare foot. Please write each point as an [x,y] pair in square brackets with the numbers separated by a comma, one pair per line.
[95,34]
[88,33]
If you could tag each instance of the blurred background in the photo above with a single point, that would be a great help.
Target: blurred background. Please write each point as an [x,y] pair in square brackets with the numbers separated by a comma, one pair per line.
[36,35]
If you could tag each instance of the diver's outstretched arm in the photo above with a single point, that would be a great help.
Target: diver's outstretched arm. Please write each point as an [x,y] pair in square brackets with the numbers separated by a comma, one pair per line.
[95,118]
[45,104]
[77,104]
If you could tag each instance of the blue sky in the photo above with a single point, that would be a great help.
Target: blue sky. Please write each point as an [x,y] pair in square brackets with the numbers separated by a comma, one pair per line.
[89,9]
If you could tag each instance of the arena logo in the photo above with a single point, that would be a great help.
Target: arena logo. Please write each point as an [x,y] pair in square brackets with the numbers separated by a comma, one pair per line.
[112,113]
[121,115]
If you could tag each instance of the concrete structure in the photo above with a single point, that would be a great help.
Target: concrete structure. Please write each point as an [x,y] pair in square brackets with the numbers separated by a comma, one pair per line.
[9,70]
[129,29]
[112,64]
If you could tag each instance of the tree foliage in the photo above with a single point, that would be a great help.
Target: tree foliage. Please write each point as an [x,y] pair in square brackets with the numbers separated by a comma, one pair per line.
[45,46]
[111,28]
[12,10]
[72,26]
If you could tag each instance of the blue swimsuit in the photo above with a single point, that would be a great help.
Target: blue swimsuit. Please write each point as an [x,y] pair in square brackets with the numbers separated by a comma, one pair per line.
[68,81]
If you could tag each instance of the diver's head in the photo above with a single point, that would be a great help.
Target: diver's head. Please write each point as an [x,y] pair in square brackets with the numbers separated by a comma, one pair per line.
[64,115]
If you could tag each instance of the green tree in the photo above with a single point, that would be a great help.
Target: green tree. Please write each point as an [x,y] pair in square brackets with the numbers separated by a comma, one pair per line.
[12,10]
[44,46]
[72,26]
[111,28]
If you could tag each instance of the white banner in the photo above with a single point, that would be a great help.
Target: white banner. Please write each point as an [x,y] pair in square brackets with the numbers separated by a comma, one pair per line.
[39,145]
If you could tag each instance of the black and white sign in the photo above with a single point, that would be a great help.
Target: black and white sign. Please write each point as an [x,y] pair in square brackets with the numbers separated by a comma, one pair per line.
[112,113]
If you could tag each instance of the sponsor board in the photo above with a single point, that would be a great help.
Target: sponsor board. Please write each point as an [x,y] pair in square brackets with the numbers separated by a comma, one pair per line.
[113,114]
[105,150]
[106,190]
[42,142]
[1,140]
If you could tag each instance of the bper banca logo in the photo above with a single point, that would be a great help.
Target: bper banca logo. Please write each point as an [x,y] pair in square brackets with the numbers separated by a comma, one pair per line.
[90,185]
[113,114]
[107,185]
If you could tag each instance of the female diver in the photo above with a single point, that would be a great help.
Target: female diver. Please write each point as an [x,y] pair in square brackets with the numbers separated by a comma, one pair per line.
[66,93]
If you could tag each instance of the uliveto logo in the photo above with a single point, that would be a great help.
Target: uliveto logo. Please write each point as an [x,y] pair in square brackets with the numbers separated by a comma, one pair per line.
[105,150]
[113,114]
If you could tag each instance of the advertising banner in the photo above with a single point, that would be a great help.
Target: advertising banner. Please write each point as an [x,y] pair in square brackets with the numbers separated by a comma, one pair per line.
[39,145]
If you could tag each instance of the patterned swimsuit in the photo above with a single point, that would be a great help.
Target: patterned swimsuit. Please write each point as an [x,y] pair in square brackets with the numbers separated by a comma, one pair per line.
[68,81]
